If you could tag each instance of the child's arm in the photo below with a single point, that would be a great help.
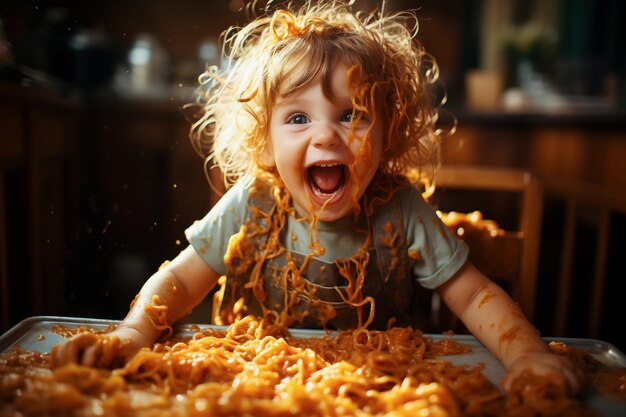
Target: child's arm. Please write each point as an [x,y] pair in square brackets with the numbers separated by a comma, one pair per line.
[180,286]
[497,321]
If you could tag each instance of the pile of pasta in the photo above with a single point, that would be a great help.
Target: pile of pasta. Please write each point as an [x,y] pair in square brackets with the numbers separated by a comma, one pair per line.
[256,369]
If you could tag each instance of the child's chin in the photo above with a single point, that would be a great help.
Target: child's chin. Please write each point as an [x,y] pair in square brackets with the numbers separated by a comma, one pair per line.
[334,213]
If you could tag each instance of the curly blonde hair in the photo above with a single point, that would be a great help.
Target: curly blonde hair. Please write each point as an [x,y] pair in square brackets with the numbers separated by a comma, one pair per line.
[287,49]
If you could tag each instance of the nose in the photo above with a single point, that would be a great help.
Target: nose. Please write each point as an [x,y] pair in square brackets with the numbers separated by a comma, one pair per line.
[325,136]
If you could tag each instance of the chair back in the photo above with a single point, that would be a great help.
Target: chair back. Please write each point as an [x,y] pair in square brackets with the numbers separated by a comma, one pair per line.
[509,257]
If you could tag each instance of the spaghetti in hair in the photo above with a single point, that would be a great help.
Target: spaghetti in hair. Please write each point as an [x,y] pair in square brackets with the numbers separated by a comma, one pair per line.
[390,75]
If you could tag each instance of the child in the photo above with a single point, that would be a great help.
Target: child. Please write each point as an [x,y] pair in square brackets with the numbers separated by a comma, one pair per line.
[318,121]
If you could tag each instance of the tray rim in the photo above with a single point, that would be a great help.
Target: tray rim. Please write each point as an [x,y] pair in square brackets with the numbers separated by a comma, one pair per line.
[21,328]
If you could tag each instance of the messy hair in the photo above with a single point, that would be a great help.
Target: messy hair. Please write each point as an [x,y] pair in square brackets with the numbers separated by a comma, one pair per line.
[287,49]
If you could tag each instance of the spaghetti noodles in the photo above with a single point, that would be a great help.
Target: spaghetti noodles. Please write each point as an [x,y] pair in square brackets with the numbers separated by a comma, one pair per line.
[257,368]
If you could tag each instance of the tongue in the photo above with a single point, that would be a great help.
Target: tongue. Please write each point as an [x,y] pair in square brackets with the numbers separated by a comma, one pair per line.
[327,179]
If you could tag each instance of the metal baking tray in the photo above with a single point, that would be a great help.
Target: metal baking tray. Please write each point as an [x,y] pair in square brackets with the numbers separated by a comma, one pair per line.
[36,334]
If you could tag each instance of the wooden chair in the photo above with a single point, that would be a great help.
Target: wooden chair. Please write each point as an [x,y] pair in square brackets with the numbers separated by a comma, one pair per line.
[509,257]
[597,205]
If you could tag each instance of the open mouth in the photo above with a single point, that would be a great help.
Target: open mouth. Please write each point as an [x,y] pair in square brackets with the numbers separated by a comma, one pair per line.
[327,180]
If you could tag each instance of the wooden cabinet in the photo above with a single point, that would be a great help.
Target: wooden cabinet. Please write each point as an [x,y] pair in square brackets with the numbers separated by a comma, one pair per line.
[95,194]
[38,183]
[144,186]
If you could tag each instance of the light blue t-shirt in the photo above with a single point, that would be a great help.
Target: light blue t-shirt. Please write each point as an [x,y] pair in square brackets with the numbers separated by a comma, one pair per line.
[441,254]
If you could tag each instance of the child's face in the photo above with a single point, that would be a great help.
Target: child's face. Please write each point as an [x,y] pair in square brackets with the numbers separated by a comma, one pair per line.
[309,137]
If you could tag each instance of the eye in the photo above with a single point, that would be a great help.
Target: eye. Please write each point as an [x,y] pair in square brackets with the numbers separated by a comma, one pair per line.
[298,119]
[347,116]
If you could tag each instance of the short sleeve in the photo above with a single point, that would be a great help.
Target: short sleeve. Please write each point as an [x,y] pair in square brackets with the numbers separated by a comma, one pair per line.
[437,253]
[210,235]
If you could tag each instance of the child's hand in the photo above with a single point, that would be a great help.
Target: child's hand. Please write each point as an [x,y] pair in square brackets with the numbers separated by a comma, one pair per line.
[558,369]
[105,350]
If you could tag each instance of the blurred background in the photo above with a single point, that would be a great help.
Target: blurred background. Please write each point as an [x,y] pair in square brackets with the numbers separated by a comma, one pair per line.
[98,179]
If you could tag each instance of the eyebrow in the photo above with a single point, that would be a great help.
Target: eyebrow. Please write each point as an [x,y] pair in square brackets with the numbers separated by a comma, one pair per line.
[291,101]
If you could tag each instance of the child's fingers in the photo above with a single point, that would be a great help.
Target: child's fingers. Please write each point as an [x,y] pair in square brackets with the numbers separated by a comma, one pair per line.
[561,373]
[570,375]
[60,355]
[507,382]
[89,356]
[73,350]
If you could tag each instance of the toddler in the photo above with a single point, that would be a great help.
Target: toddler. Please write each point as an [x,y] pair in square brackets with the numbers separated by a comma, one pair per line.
[324,128]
